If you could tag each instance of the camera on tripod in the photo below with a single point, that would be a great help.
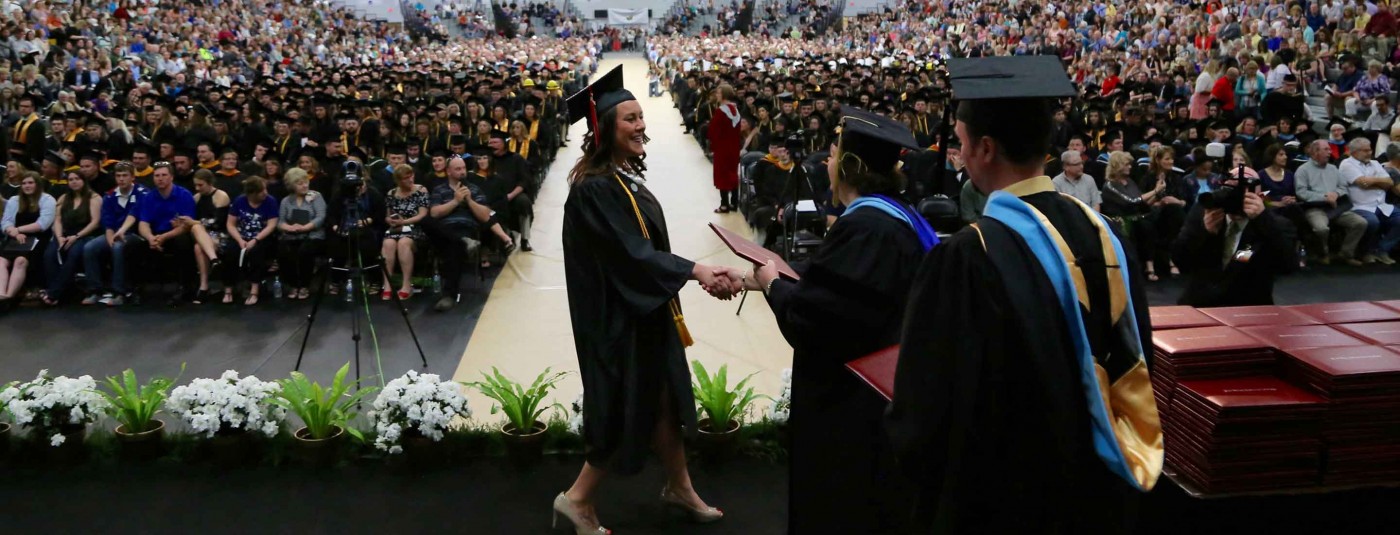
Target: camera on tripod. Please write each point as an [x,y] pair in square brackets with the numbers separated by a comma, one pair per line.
[352,175]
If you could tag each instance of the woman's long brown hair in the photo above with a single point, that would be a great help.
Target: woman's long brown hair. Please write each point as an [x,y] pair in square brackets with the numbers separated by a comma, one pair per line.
[597,158]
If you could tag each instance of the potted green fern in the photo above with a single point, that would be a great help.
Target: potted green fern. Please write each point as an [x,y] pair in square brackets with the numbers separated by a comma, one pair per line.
[723,407]
[523,429]
[325,412]
[134,406]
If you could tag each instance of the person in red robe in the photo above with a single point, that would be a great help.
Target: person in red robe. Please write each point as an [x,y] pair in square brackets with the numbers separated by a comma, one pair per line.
[725,140]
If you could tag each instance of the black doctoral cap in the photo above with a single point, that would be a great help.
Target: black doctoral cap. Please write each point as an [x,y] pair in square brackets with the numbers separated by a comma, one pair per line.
[599,97]
[873,139]
[1010,99]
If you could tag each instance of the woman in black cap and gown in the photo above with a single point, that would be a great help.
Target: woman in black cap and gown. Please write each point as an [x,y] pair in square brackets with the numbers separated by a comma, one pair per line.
[849,303]
[628,328]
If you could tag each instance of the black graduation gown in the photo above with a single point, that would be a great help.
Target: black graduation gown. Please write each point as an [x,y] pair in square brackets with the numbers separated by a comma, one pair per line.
[849,303]
[989,416]
[629,351]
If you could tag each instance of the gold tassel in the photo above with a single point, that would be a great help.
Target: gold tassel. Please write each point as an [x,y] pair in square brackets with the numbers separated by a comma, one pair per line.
[686,340]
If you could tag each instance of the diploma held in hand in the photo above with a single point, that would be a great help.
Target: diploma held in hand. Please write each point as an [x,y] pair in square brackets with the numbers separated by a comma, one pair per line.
[877,370]
[754,252]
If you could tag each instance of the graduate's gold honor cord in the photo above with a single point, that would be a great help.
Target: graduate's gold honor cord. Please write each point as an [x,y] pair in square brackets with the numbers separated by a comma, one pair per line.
[676,315]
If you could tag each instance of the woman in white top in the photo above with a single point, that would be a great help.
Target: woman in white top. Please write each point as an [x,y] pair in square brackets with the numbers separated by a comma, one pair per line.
[28,218]
[1200,97]
[1277,70]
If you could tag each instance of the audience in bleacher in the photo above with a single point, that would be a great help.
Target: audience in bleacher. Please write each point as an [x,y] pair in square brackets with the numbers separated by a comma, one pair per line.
[1270,77]
[215,139]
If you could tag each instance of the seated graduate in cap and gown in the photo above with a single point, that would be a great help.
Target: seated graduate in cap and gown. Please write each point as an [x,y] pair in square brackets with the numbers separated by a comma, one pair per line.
[628,327]
[1021,398]
[849,303]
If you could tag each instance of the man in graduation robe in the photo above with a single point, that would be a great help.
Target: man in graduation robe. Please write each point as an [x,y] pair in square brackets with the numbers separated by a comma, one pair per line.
[1021,398]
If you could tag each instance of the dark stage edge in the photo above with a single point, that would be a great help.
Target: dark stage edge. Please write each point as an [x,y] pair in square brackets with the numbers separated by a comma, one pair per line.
[263,340]
[485,496]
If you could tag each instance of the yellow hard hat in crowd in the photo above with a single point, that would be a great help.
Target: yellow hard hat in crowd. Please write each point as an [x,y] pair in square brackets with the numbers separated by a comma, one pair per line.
[528,83]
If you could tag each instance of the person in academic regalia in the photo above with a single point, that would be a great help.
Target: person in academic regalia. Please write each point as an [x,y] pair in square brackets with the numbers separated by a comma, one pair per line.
[627,323]
[1021,396]
[849,303]
[28,133]
[725,140]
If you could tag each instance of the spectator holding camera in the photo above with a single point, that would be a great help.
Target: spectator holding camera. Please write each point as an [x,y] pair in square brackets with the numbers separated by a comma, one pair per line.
[1367,184]
[79,215]
[26,222]
[1323,193]
[250,222]
[301,218]
[1233,247]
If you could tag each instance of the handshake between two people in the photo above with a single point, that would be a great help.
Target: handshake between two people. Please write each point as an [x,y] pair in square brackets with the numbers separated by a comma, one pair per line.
[725,282]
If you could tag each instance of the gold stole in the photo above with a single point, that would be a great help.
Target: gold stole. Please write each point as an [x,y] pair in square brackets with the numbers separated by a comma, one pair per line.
[534,130]
[770,159]
[22,133]
[676,314]
[524,151]
[71,136]
[282,146]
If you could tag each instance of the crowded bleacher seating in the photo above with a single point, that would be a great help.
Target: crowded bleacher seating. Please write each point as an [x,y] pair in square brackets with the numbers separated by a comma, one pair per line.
[159,149]
[100,103]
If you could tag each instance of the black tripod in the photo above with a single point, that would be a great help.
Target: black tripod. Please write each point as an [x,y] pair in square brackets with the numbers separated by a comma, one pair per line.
[355,274]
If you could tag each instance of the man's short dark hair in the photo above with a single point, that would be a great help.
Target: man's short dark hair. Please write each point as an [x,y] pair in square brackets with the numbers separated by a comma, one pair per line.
[1021,127]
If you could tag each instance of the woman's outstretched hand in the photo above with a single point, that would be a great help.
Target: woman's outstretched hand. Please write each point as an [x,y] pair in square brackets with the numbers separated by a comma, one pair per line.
[720,281]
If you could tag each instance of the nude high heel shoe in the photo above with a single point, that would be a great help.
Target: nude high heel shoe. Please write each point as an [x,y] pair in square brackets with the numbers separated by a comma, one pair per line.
[562,506]
[699,516]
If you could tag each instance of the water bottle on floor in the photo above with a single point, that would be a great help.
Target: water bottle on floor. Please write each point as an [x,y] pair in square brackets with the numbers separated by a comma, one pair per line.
[349,292]
[276,287]
[437,283]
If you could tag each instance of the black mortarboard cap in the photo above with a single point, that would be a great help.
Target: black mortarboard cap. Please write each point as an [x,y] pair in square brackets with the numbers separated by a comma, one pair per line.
[875,139]
[497,133]
[56,158]
[599,97]
[1009,77]
[456,139]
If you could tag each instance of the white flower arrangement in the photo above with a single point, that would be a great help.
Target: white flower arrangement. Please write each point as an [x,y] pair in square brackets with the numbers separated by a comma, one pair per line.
[576,420]
[228,404]
[415,402]
[49,404]
[782,406]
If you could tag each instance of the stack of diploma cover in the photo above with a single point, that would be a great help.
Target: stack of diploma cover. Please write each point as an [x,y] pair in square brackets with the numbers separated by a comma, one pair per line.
[1204,353]
[1245,434]
[1361,430]
[1179,317]
[1359,312]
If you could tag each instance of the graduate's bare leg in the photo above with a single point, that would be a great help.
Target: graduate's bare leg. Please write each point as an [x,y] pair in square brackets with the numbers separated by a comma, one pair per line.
[390,250]
[580,495]
[201,259]
[203,240]
[671,449]
[406,265]
[10,283]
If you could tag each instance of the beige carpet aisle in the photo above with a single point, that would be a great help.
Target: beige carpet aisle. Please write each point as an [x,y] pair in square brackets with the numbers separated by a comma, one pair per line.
[525,325]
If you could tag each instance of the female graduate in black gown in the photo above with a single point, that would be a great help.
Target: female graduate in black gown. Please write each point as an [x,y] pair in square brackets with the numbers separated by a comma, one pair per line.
[622,282]
[849,303]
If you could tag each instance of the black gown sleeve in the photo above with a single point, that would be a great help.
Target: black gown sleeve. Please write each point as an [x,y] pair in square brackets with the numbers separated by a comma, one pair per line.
[849,287]
[951,322]
[643,276]
[1196,249]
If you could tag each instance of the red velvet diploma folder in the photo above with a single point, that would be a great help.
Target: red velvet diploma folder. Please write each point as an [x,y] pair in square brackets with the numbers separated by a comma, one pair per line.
[754,252]
[877,370]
